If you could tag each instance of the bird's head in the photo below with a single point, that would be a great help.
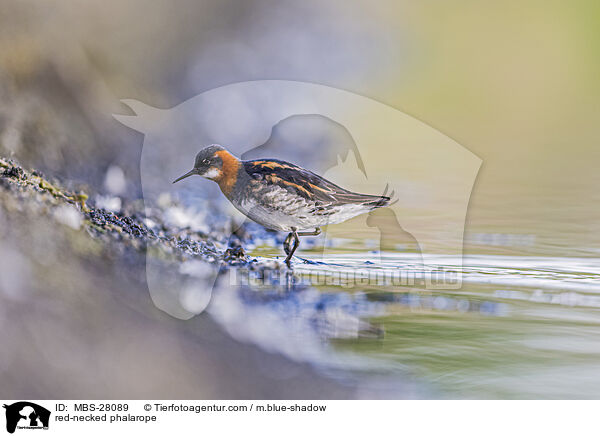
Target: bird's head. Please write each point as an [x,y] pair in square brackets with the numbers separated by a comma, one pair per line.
[208,164]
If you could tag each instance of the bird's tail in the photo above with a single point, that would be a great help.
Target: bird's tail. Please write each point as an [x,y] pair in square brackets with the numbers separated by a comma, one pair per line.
[367,200]
[383,200]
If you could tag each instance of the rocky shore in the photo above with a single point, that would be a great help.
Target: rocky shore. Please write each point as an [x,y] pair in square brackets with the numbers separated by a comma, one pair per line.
[74,287]
[75,307]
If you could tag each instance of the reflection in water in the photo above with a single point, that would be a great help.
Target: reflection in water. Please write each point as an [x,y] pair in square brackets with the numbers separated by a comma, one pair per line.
[517,324]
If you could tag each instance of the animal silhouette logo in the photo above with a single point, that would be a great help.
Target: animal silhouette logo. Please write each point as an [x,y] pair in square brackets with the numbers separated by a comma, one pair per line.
[26,415]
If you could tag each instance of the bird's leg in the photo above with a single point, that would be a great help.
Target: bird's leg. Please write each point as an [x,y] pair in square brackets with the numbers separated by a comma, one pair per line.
[317,232]
[286,246]
[287,243]
[294,236]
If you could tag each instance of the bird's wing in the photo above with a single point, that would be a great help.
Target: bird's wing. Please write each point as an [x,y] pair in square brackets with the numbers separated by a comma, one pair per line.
[307,184]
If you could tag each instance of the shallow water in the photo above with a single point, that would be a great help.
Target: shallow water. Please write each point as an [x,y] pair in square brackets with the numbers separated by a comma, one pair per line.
[519,327]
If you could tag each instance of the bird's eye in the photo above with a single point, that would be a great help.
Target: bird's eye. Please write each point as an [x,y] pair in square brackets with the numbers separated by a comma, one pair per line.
[205,161]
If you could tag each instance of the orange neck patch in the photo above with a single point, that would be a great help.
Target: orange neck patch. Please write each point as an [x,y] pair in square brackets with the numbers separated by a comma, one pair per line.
[228,175]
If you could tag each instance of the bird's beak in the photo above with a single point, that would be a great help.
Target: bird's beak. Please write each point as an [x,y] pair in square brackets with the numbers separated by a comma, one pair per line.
[191,173]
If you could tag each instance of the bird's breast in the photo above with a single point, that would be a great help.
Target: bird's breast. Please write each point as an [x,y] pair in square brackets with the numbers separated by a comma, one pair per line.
[228,177]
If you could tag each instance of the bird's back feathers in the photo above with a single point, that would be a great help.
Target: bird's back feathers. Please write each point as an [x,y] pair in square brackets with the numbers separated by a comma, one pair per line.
[307,184]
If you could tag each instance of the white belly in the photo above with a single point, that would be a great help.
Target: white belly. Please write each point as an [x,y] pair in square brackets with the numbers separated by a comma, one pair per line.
[296,215]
